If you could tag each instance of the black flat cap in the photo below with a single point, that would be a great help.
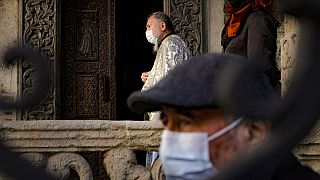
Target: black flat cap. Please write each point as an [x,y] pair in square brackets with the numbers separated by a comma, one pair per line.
[195,84]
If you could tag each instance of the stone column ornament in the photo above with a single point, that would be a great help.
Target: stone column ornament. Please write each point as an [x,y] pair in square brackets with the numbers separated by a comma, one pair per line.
[121,164]
[60,164]
[288,45]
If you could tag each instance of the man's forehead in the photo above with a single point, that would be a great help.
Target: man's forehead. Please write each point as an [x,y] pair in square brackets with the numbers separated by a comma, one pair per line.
[208,112]
[152,20]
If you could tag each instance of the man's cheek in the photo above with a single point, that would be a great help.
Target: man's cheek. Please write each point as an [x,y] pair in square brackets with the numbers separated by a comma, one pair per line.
[225,152]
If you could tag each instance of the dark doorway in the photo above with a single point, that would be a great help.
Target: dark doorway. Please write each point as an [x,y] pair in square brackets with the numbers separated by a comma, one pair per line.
[104,51]
[133,52]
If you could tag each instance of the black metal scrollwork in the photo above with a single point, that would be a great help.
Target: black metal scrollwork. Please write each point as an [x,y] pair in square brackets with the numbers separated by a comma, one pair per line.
[44,78]
[11,163]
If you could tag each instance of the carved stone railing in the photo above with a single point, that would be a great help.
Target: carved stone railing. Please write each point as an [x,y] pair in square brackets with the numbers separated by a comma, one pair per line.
[57,146]
[308,151]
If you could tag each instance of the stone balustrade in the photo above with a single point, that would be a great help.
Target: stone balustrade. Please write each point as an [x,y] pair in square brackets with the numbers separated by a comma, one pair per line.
[57,146]
[308,151]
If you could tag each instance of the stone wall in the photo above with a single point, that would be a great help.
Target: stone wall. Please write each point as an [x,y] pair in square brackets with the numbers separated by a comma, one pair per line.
[8,37]
[215,25]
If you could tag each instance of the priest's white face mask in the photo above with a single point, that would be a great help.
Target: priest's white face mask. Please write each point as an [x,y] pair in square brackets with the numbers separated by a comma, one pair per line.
[150,37]
[185,155]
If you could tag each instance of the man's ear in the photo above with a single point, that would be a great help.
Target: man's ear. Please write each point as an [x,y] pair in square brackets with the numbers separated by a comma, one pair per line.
[163,26]
[258,132]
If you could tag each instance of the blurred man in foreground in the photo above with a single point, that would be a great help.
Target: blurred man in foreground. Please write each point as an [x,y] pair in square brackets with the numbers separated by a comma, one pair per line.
[201,137]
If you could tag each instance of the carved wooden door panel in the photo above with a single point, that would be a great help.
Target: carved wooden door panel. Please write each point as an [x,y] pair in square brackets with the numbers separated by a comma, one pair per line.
[88,59]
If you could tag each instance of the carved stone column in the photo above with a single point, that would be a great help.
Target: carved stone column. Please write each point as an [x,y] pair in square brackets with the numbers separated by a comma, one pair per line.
[288,45]
[39,31]
[121,163]
[157,170]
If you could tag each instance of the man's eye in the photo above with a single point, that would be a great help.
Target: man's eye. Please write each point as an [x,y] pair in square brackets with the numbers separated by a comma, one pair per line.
[162,115]
[185,122]
[164,121]
[163,118]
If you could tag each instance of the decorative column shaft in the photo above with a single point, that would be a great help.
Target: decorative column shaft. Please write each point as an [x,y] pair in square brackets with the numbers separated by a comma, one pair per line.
[288,45]
[38,31]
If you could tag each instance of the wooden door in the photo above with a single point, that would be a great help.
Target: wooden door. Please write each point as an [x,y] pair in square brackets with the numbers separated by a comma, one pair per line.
[88,83]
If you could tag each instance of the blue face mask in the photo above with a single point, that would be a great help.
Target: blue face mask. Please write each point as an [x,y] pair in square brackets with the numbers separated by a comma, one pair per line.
[185,155]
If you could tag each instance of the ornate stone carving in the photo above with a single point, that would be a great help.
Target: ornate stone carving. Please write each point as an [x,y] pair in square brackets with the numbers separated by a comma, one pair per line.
[37,159]
[39,25]
[157,170]
[121,163]
[280,34]
[188,19]
[288,46]
[60,164]
[38,32]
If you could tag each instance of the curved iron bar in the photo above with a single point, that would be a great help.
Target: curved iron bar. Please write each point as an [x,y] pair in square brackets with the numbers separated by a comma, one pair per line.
[43,83]
[11,163]
[299,109]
